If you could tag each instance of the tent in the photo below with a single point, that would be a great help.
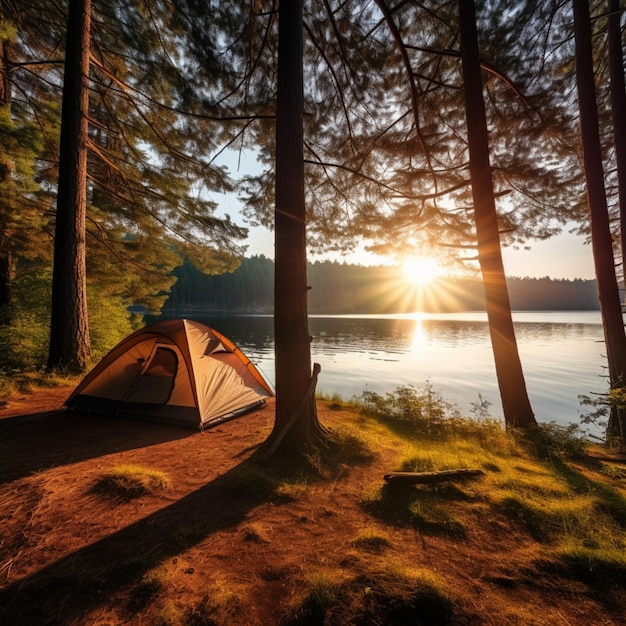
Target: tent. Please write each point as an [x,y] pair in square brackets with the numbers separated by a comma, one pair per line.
[176,371]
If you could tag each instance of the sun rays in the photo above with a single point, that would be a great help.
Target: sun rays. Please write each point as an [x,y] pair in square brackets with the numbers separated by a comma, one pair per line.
[420,271]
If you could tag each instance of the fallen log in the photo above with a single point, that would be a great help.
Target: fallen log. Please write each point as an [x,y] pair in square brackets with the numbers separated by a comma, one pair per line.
[430,478]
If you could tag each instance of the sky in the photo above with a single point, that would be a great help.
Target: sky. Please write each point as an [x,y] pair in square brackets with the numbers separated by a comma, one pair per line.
[562,256]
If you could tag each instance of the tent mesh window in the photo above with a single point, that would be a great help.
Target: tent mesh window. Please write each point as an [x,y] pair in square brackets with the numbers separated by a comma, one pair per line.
[155,384]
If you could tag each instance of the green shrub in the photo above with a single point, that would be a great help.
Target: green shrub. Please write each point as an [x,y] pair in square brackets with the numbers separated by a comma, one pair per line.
[24,341]
[410,410]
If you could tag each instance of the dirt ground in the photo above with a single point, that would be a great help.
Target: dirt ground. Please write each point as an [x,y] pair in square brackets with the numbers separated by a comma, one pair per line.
[214,548]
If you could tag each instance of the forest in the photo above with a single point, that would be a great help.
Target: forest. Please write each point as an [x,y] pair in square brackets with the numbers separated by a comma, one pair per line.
[340,288]
[444,129]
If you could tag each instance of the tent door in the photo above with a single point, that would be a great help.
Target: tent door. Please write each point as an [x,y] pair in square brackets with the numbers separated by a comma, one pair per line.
[155,383]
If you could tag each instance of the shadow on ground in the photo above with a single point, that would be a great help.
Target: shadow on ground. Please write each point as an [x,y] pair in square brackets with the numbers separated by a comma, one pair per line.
[90,435]
[86,579]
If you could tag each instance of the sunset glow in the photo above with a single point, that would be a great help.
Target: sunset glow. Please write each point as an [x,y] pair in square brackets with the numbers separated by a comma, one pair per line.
[420,271]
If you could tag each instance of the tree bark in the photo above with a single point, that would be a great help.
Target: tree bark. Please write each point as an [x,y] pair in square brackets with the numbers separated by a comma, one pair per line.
[430,478]
[70,346]
[617,420]
[6,298]
[5,171]
[601,239]
[296,425]
[618,116]
[515,402]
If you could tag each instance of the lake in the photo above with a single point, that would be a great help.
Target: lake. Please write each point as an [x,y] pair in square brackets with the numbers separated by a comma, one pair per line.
[562,355]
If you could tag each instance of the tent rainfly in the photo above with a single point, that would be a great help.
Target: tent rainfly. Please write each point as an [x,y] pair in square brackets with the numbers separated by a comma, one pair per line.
[176,371]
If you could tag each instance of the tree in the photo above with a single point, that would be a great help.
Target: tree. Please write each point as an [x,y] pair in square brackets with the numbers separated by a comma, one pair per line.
[601,238]
[155,135]
[388,158]
[153,139]
[391,160]
[515,402]
[618,117]
[23,214]
[5,163]
[70,346]
[296,427]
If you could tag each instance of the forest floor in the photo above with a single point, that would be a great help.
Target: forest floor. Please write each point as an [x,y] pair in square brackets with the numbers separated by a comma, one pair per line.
[227,541]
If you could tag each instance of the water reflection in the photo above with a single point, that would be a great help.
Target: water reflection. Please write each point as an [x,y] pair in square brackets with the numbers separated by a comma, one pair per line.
[419,338]
[562,355]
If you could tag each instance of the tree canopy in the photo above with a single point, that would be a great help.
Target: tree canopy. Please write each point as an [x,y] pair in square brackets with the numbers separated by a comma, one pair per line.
[174,84]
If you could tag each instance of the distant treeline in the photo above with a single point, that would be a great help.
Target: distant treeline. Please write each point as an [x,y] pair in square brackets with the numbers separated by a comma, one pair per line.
[341,289]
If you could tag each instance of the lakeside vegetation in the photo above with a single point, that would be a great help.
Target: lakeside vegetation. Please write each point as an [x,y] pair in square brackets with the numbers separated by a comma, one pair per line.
[24,342]
[347,288]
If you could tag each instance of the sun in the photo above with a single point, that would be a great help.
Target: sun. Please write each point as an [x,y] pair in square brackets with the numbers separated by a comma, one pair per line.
[420,271]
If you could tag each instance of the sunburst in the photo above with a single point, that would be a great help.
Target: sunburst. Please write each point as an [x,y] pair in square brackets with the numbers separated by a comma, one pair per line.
[420,270]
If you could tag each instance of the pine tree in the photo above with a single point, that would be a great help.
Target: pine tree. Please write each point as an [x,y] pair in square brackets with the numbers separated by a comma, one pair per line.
[70,345]
[296,428]
[153,135]
[515,401]
[601,237]
[24,211]
[618,117]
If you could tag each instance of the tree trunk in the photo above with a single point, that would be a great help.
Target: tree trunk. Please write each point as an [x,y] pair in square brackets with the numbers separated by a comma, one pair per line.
[618,115]
[5,288]
[5,172]
[515,402]
[601,240]
[5,75]
[69,325]
[296,427]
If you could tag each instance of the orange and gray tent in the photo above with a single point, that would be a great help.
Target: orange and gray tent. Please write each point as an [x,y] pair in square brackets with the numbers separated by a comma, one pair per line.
[176,371]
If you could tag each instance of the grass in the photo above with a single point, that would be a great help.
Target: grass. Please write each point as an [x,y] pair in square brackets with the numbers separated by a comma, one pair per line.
[256,533]
[148,588]
[391,594]
[127,482]
[220,605]
[13,383]
[24,342]
[531,479]
[372,540]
